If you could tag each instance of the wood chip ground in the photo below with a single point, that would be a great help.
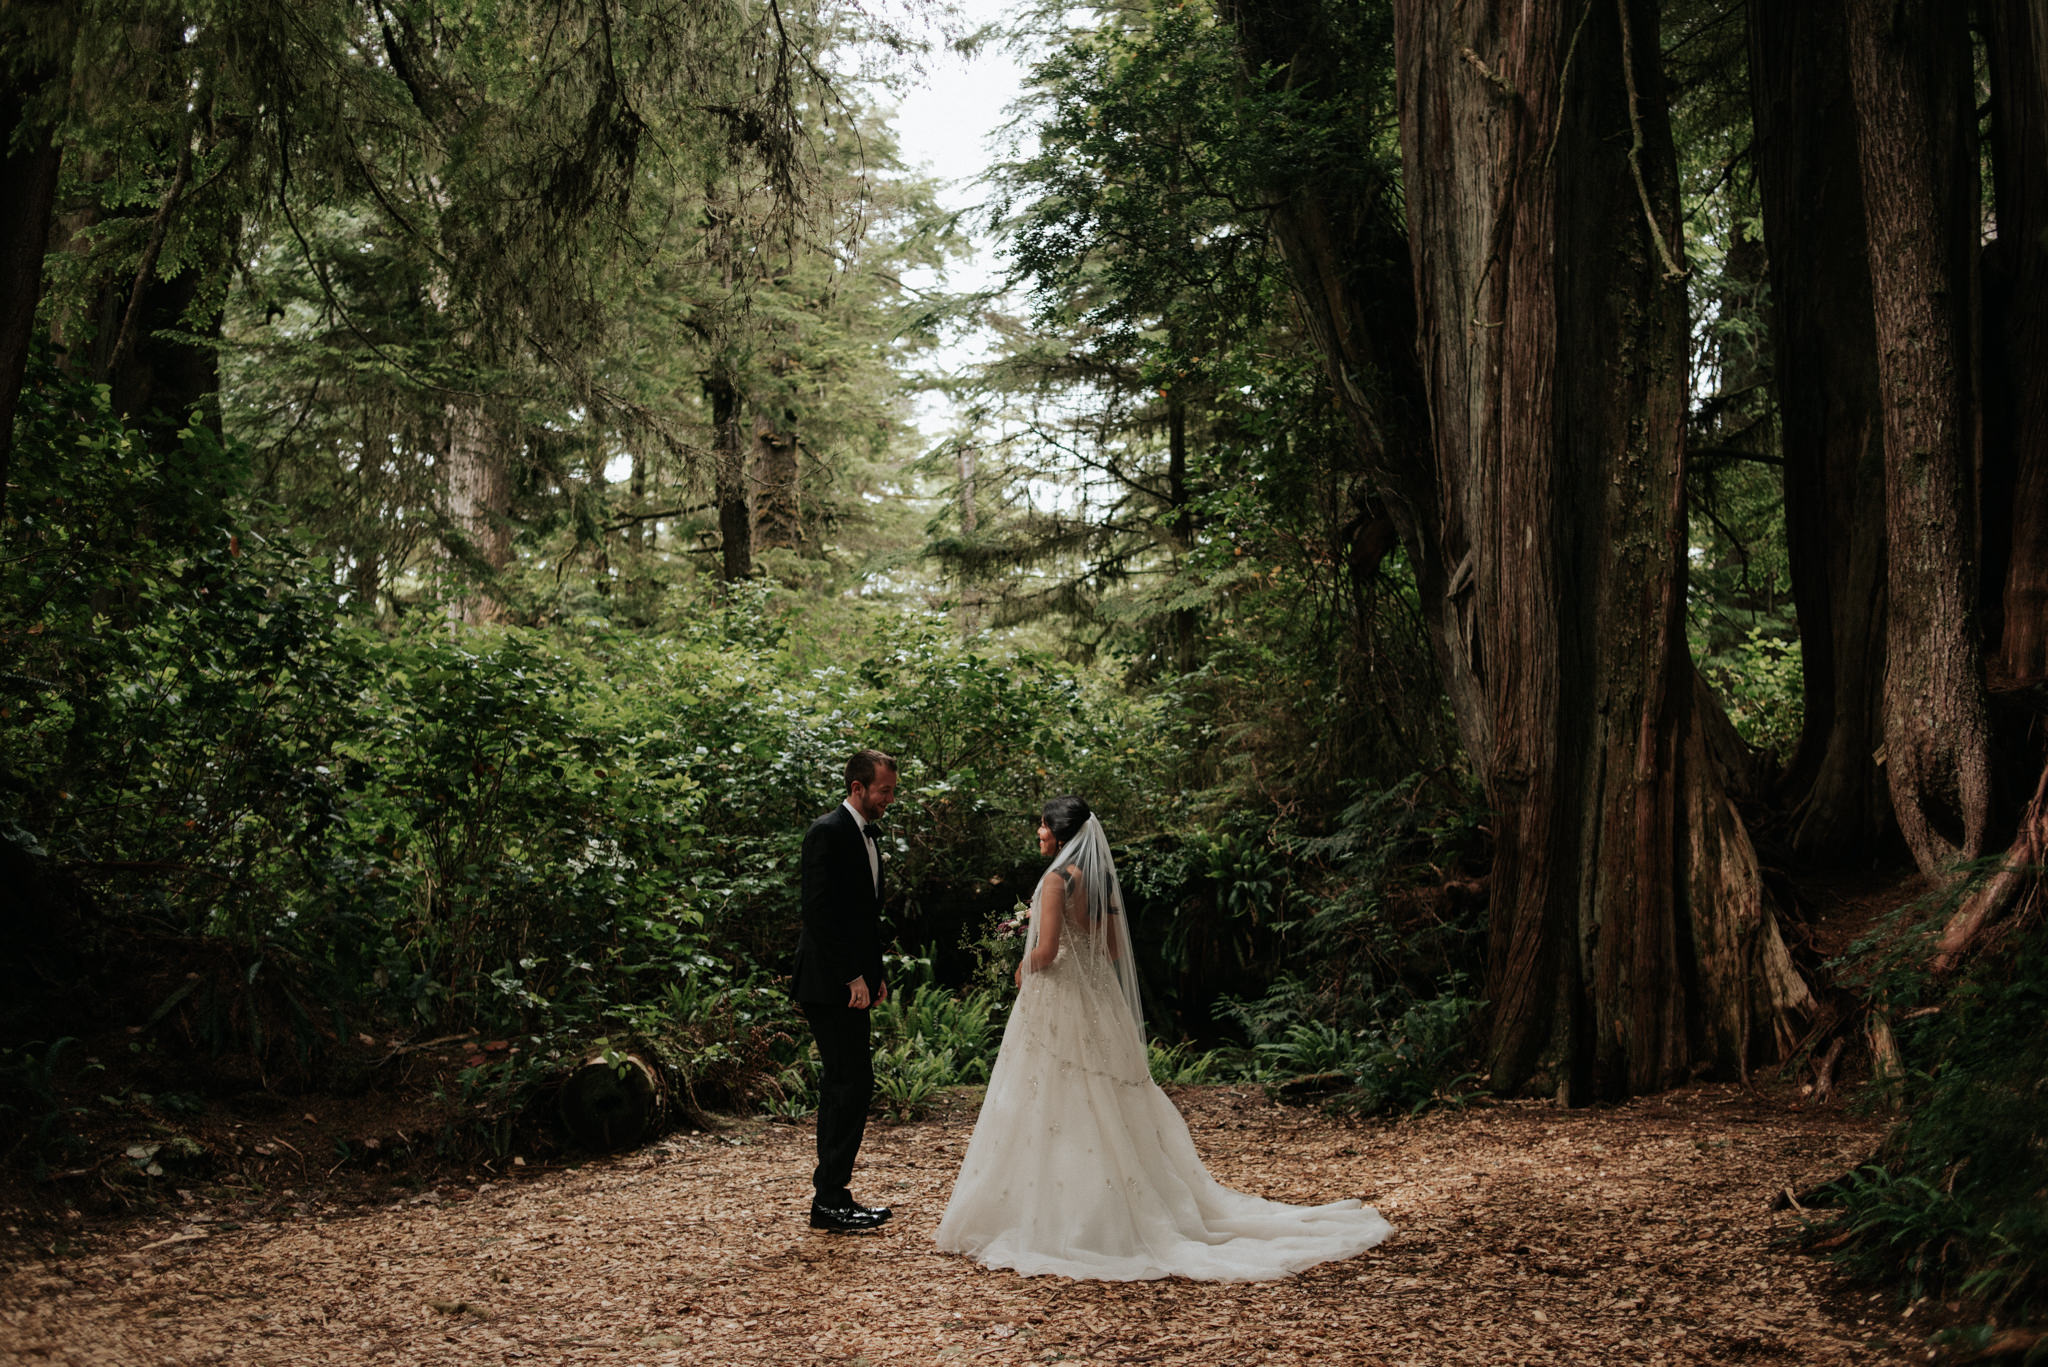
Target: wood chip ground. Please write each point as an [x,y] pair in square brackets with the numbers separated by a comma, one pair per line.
[1525,1234]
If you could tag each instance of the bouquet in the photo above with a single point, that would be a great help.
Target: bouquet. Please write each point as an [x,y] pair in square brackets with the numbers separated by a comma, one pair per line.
[1016,925]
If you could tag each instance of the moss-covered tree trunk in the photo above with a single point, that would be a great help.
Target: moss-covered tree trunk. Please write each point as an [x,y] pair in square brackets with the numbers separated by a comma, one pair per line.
[1824,342]
[478,487]
[778,497]
[729,479]
[1909,65]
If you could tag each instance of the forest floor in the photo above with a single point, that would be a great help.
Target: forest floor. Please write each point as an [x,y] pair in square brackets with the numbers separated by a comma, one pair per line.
[1525,1233]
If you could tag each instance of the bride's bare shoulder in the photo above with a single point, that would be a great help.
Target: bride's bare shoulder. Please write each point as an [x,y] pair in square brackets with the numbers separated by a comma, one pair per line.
[1066,880]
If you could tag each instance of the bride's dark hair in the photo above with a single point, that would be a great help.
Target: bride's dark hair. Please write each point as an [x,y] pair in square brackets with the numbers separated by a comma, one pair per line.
[1065,816]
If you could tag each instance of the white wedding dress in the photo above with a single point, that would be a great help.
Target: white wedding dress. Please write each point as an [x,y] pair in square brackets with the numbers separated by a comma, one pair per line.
[1079,1164]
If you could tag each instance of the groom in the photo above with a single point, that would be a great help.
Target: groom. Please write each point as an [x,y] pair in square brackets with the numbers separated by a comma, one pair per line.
[839,976]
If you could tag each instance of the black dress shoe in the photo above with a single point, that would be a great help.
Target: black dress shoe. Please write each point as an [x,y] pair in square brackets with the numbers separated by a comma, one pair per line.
[848,1219]
[877,1213]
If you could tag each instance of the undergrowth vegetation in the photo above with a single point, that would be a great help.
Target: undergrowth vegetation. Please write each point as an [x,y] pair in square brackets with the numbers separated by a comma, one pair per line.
[1954,1205]
[281,823]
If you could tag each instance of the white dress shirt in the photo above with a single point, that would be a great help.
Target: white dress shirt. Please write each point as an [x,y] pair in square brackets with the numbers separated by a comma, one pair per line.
[874,854]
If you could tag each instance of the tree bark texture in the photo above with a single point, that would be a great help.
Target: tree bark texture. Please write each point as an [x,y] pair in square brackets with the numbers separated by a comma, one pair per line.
[479,491]
[1630,943]
[1909,65]
[778,497]
[963,458]
[729,481]
[636,531]
[2016,334]
[30,170]
[1825,343]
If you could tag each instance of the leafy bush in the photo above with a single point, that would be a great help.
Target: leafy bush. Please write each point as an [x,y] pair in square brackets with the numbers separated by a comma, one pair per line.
[1761,680]
[1375,988]
[1952,1204]
[928,1037]
[1409,1063]
[1403,1062]
[33,1105]
[908,1074]
[532,831]
[1184,1064]
[299,818]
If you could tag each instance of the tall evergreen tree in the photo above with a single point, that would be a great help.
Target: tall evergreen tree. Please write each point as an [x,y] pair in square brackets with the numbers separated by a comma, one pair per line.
[1631,942]
[1156,464]
[1825,352]
[1909,68]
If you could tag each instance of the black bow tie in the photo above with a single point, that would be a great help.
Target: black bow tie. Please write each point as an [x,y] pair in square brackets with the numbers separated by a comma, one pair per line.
[871,833]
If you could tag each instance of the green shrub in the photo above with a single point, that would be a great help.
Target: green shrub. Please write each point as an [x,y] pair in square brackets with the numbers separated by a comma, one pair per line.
[1761,680]
[35,1110]
[1183,1064]
[928,1037]
[1953,1203]
[1410,1064]
[1351,1001]
[908,1074]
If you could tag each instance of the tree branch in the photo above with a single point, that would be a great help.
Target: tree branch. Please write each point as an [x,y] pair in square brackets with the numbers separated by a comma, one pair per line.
[1672,270]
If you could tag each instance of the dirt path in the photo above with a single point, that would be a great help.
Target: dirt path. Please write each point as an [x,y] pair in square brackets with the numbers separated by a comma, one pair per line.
[1526,1234]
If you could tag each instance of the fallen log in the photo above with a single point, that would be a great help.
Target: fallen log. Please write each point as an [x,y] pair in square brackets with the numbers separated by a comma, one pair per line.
[612,1101]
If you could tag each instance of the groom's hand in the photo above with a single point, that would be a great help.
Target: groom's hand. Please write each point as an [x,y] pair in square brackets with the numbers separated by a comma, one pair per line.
[857,994]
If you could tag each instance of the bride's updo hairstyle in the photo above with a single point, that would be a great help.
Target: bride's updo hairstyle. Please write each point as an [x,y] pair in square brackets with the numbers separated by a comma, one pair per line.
[1065,816]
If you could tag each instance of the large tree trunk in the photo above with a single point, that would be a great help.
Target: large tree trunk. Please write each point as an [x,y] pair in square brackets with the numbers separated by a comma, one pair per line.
[2015,477]
[1909,67]
[1630,943]
[778,506]
[729,481]
[155,378]
[1825,343]
[479,491]
[29,168]
[1184,624]
[2016,333]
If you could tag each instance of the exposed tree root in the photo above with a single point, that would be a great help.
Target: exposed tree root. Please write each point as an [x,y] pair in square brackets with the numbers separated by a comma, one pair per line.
[2012,891]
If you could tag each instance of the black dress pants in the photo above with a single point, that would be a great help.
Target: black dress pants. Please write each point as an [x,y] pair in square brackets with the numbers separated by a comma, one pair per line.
[844,1090]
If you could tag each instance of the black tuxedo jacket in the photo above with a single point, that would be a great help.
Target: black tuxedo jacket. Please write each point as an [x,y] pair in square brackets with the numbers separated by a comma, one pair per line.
[842,934]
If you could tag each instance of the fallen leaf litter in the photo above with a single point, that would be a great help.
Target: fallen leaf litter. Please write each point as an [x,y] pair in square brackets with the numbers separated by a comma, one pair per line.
[1525,1234]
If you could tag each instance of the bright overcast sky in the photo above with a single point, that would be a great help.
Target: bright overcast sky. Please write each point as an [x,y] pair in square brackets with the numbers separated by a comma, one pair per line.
[946,125]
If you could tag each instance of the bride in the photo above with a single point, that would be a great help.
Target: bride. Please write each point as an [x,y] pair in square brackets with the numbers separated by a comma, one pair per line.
[1079,1165]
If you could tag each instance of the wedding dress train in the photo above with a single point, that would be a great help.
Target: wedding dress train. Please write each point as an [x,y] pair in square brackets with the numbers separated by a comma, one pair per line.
[1079,1165]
